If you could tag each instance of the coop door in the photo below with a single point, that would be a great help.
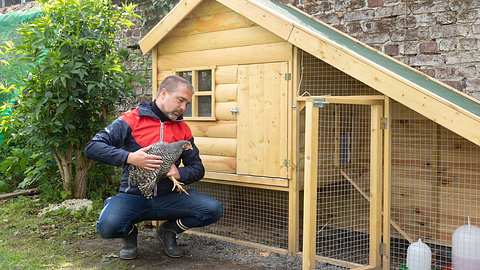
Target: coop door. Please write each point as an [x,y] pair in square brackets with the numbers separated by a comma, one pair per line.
[262,120]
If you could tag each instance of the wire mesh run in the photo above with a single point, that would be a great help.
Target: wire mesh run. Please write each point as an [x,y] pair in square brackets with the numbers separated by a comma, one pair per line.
[435,186]
[343,183]
[318,78]
[250,214]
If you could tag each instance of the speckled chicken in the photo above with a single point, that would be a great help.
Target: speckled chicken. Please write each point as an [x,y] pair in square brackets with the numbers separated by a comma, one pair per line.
[146,180]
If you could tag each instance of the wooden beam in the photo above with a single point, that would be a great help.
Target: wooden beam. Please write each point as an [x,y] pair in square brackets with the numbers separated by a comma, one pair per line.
[180,11]
[376,168]
[293,194]
[263,53]
[241,184]
[217,129]
[358,100]
[237,37]
[260,180]
[238,242]
[387,183]
[154,73]
[364,195]
[310,188]
[224,147]
[226,92]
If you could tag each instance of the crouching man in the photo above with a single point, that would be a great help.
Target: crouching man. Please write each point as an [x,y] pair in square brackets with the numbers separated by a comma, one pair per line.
[124,143]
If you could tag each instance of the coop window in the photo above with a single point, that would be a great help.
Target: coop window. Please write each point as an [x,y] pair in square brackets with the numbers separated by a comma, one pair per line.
[203,101]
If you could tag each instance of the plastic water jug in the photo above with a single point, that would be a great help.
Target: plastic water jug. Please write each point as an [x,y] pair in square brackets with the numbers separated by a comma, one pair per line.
[466,248]
[419,256]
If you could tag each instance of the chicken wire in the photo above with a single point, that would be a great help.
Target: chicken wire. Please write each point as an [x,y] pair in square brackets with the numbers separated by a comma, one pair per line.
[343,183]
[250,214]
[435,186]
[318,78]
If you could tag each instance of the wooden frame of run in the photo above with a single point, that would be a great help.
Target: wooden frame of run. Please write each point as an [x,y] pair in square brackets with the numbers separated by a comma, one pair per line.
[377,115]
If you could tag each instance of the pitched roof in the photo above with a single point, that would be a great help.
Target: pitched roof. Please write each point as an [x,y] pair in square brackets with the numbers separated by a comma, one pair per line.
[427,96]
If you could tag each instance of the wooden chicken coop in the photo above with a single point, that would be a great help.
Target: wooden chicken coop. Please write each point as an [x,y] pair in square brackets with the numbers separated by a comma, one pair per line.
[315,142]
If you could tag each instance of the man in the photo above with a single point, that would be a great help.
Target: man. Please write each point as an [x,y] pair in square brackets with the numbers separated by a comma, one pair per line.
[123,143]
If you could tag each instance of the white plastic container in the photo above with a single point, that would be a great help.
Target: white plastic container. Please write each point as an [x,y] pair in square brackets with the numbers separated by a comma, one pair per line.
[419,256]
[466,248]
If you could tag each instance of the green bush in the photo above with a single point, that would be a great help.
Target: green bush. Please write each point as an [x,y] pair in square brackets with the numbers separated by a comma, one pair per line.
[77,78]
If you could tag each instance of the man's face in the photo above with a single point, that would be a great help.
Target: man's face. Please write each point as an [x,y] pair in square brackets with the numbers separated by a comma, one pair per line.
[174,103]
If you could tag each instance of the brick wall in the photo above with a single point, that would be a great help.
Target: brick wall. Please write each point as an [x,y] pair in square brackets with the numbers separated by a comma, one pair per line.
[439,37]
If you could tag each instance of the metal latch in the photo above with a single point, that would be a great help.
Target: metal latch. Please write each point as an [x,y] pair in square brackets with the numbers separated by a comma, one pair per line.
[235,110]
[319,102]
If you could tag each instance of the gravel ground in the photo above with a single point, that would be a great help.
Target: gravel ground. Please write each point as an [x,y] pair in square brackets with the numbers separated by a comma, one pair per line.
[202,253]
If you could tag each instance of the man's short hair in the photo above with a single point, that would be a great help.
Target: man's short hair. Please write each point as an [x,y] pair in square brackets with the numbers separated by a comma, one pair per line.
[170,83]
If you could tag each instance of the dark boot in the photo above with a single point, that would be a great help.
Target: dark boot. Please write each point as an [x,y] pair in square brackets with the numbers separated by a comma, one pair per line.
[167,234]
[129,245]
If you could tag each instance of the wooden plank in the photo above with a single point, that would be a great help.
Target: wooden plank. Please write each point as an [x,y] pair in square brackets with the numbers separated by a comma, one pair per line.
[226,92]
[243,119]
[218,129]
[256,144]
[310,188]
[162,74]
[260,16]
[219,164]
[154,73]
[376,168]
[216,40]
[226,75]
[267,181]
[390,84]
[358,100]
[223,111]
[242,184]
[293,194]
[206,8]
[239,242]
[262,121]
[217,146]
[264,53]
[387,184]
[212,23]
[168,22]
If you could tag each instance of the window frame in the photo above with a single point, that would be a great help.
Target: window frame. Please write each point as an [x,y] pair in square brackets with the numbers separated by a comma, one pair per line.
[197,93]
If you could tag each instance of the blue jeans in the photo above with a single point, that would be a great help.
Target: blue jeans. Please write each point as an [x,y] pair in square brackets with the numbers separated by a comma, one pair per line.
[123,210]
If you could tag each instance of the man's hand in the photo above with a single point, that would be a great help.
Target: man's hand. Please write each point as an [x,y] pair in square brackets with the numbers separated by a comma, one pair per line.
[143,160]
[173,172]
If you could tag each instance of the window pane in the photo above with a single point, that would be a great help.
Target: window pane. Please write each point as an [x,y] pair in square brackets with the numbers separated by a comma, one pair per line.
[188,112]
[204,80]
[187,75]
[204,106]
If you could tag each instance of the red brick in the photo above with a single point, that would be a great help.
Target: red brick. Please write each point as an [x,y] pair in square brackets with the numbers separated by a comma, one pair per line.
[375,3]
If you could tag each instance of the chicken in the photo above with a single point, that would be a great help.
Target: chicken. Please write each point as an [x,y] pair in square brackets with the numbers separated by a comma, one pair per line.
[146,180]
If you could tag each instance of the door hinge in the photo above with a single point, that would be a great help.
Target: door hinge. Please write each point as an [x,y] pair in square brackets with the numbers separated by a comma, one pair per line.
[384,123]
[288,76]
[286,163]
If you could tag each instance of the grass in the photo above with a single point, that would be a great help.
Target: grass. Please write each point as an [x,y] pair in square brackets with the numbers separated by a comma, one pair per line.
[28,241]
